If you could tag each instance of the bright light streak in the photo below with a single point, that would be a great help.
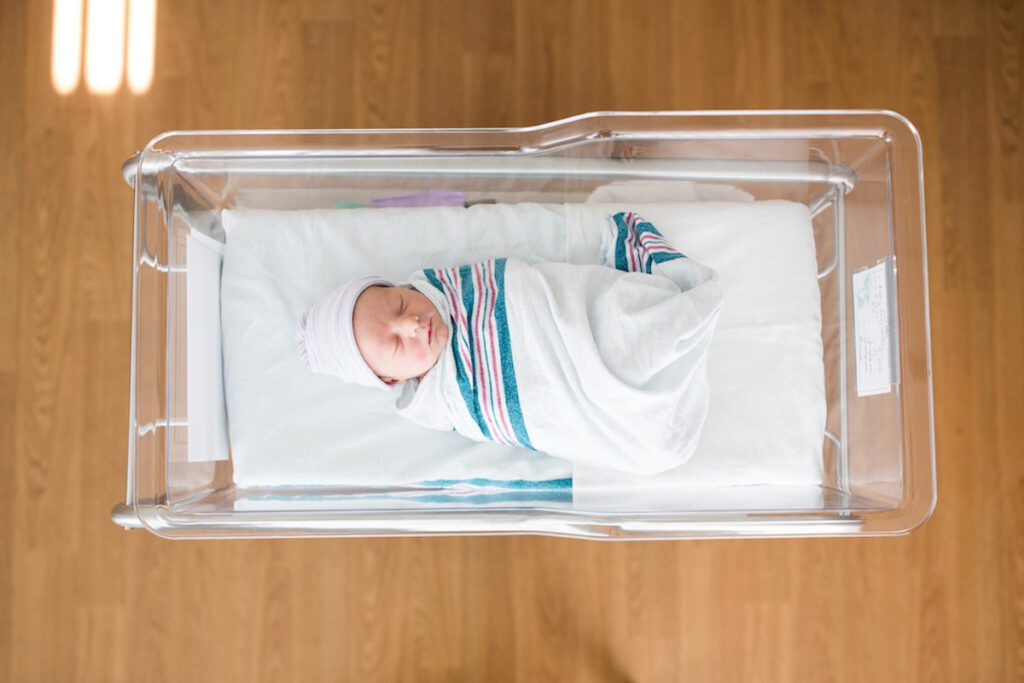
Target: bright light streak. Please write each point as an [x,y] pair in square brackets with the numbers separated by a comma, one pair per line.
[66,67]
[141,44]
[104,50]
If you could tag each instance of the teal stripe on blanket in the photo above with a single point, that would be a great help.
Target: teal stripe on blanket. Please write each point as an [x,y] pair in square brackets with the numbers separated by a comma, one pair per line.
[523,496]
[508,370]
[482,482]
[628,224]
[461,371]
[509,497]
[467,385]
[479,482]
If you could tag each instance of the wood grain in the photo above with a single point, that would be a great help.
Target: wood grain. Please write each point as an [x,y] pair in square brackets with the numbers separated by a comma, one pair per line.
[81,599]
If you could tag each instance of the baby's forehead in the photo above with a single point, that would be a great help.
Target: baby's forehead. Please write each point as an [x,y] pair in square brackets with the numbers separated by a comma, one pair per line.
[368,317]
[379,295]
[377,291]
[372,300]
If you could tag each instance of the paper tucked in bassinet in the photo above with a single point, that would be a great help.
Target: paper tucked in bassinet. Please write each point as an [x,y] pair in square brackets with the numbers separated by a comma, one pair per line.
[290,428]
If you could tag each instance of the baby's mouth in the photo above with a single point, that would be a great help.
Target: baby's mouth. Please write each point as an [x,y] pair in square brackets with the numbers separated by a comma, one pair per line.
[430,330]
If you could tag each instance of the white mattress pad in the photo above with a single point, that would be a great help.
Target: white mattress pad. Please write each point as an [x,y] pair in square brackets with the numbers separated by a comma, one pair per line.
[289,427]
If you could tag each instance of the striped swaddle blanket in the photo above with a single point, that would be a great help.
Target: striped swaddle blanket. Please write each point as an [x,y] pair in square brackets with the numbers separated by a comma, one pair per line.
[639,245]
[599,364]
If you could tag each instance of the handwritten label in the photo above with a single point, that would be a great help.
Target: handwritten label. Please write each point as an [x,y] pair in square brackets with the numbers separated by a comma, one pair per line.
[872,343]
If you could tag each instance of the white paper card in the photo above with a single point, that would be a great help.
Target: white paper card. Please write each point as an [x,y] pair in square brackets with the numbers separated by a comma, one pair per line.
[207,413]
[873,358]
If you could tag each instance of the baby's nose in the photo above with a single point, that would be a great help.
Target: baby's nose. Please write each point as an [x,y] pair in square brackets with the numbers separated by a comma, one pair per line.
[413,325]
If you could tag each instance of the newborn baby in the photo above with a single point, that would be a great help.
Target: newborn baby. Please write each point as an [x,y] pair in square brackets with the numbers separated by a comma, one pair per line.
[604,364]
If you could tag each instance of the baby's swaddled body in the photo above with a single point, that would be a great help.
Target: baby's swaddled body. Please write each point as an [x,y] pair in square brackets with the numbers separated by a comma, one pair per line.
[604,365]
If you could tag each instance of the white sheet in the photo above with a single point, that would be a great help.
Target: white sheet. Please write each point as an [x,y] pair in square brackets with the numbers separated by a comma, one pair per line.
[289,427]
[207,424]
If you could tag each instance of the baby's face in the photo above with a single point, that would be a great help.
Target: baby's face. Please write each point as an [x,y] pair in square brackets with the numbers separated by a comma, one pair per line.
[398,332]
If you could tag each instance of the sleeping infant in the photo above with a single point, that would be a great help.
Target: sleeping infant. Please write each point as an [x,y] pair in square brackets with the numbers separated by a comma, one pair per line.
[603,365]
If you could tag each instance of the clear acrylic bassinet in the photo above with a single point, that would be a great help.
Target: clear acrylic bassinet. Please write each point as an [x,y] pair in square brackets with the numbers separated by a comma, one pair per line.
[859,172]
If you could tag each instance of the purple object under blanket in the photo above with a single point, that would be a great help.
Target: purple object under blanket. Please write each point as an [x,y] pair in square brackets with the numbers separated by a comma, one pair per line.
[427,198]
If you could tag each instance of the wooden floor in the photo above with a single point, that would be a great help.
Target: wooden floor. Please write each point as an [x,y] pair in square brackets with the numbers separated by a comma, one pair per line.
[81,599]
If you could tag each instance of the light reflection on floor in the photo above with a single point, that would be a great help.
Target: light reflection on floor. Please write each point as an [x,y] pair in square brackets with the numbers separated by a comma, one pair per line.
[109,52]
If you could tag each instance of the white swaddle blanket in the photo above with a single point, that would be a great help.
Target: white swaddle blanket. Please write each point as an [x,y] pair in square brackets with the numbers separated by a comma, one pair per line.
[597,365]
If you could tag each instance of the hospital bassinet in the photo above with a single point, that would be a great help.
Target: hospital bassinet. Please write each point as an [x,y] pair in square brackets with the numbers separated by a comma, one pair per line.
[858,172]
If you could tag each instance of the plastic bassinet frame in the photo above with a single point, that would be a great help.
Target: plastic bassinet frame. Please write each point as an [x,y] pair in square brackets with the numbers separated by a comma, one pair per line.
[859,172]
